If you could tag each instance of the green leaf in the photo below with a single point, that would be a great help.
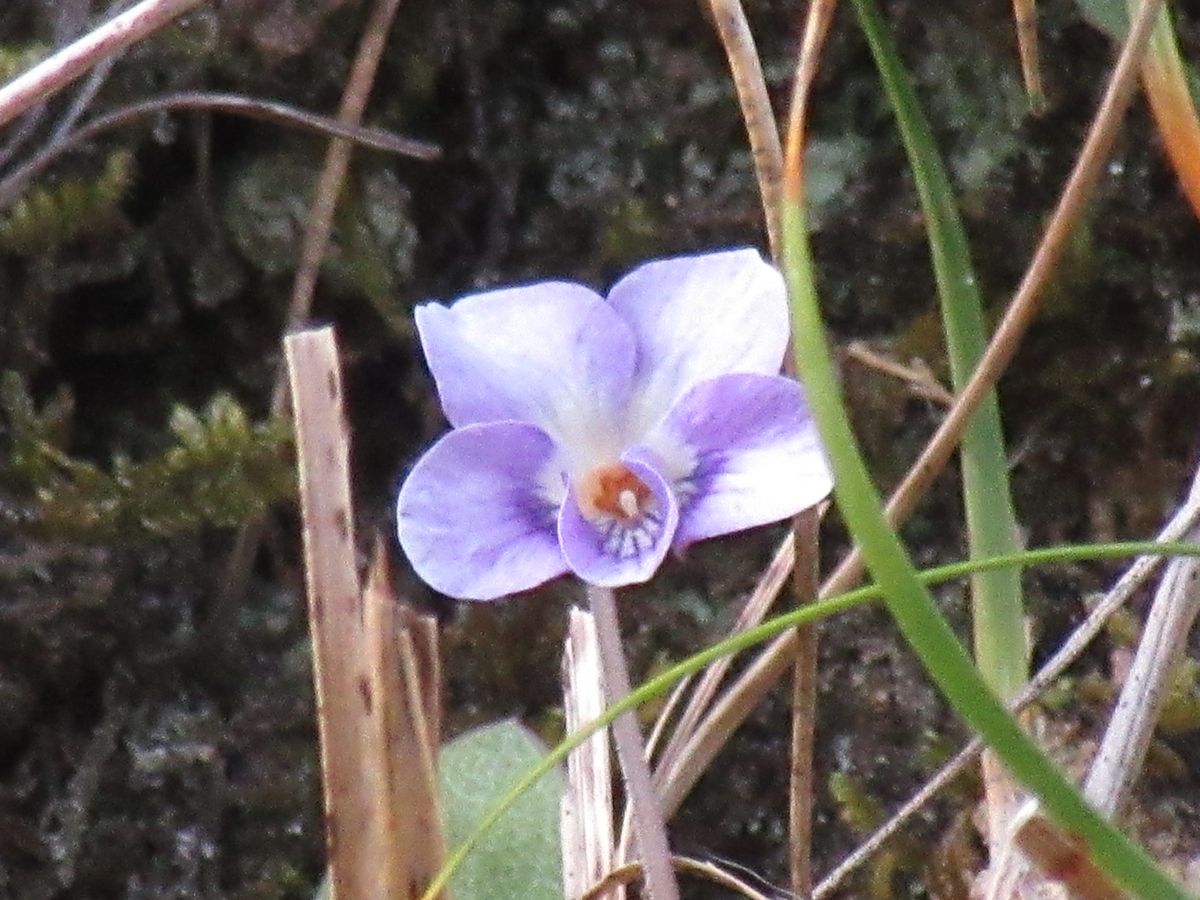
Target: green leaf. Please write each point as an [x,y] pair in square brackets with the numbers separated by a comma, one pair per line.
[1109,16]
[520,857]
[998,608]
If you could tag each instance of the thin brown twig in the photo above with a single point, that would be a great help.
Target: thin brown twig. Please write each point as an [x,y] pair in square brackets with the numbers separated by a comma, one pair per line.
[232,104]
[103,42]
[629,872]
[801,781]
[746,68]
[1025,20]
[763,133]
[316,239]
[772,662]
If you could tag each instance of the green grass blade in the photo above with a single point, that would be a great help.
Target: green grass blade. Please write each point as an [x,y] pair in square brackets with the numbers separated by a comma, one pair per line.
[1001,649]
[662,683]
[911,605]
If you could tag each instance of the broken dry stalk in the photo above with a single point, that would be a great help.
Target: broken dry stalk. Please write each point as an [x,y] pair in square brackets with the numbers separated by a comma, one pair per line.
[587,806]
[374,665]
[101,43]
[335,612]
[1159,652]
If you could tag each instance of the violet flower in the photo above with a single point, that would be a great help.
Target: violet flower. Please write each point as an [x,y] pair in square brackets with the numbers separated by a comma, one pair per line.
[594,434]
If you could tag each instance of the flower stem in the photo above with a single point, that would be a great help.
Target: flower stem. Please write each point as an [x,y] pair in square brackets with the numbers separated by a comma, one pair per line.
[648,824]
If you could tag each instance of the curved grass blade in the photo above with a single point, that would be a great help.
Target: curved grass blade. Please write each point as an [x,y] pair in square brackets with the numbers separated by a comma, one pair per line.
[1000,644]
[910,604]
[662,683]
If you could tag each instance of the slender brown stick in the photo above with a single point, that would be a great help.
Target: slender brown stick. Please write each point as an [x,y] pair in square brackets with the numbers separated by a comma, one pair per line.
[770,665]
[649,826]
[51,75]
[802,783]
[232,104]
[1025,20]
[312,251]
[746,68]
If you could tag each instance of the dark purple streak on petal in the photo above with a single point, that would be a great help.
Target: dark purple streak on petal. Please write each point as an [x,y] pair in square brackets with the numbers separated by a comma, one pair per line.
[756,453]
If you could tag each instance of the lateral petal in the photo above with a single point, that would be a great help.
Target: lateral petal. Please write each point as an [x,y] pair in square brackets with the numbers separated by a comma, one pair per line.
[474,516]
[741,451]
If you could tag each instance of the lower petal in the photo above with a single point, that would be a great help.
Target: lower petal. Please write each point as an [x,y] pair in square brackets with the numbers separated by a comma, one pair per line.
[474,517]
[609,552]
[741,451]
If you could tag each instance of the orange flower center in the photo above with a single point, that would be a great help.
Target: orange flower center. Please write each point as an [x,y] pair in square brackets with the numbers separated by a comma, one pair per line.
[612,491]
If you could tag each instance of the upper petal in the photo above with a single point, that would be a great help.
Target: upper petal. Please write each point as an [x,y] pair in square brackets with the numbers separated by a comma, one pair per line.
[473,516]
[611,553]
[699,317]
[741,450]
[553,353]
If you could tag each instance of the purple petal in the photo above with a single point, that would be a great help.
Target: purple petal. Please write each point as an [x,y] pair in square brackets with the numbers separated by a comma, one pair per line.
[474,517]
[741,450]
[612,554]
[699,317]
[554,354]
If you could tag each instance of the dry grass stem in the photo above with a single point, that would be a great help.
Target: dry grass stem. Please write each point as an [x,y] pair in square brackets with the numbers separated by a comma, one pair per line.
[745,66]
[1184,520]
[690,750]
[649,824]
[920,380]
[103,42]
[1025,19]
[318,227]
[707,871]
[1162,645]
[231,104]
[587,806]
[772,662]
[400,748]
[801,782]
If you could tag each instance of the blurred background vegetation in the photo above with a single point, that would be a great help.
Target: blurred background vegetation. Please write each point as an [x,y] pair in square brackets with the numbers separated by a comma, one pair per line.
[155,744]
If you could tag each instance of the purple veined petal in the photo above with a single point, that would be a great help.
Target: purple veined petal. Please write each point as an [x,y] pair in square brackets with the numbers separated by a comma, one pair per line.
[700,317]
[741,451]
[611,552]
[553,353]
[474,516]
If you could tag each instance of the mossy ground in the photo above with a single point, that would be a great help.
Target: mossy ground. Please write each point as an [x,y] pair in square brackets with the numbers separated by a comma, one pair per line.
[146,751]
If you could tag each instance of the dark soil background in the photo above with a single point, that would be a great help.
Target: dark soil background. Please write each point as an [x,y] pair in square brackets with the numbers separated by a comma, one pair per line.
[155,742]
